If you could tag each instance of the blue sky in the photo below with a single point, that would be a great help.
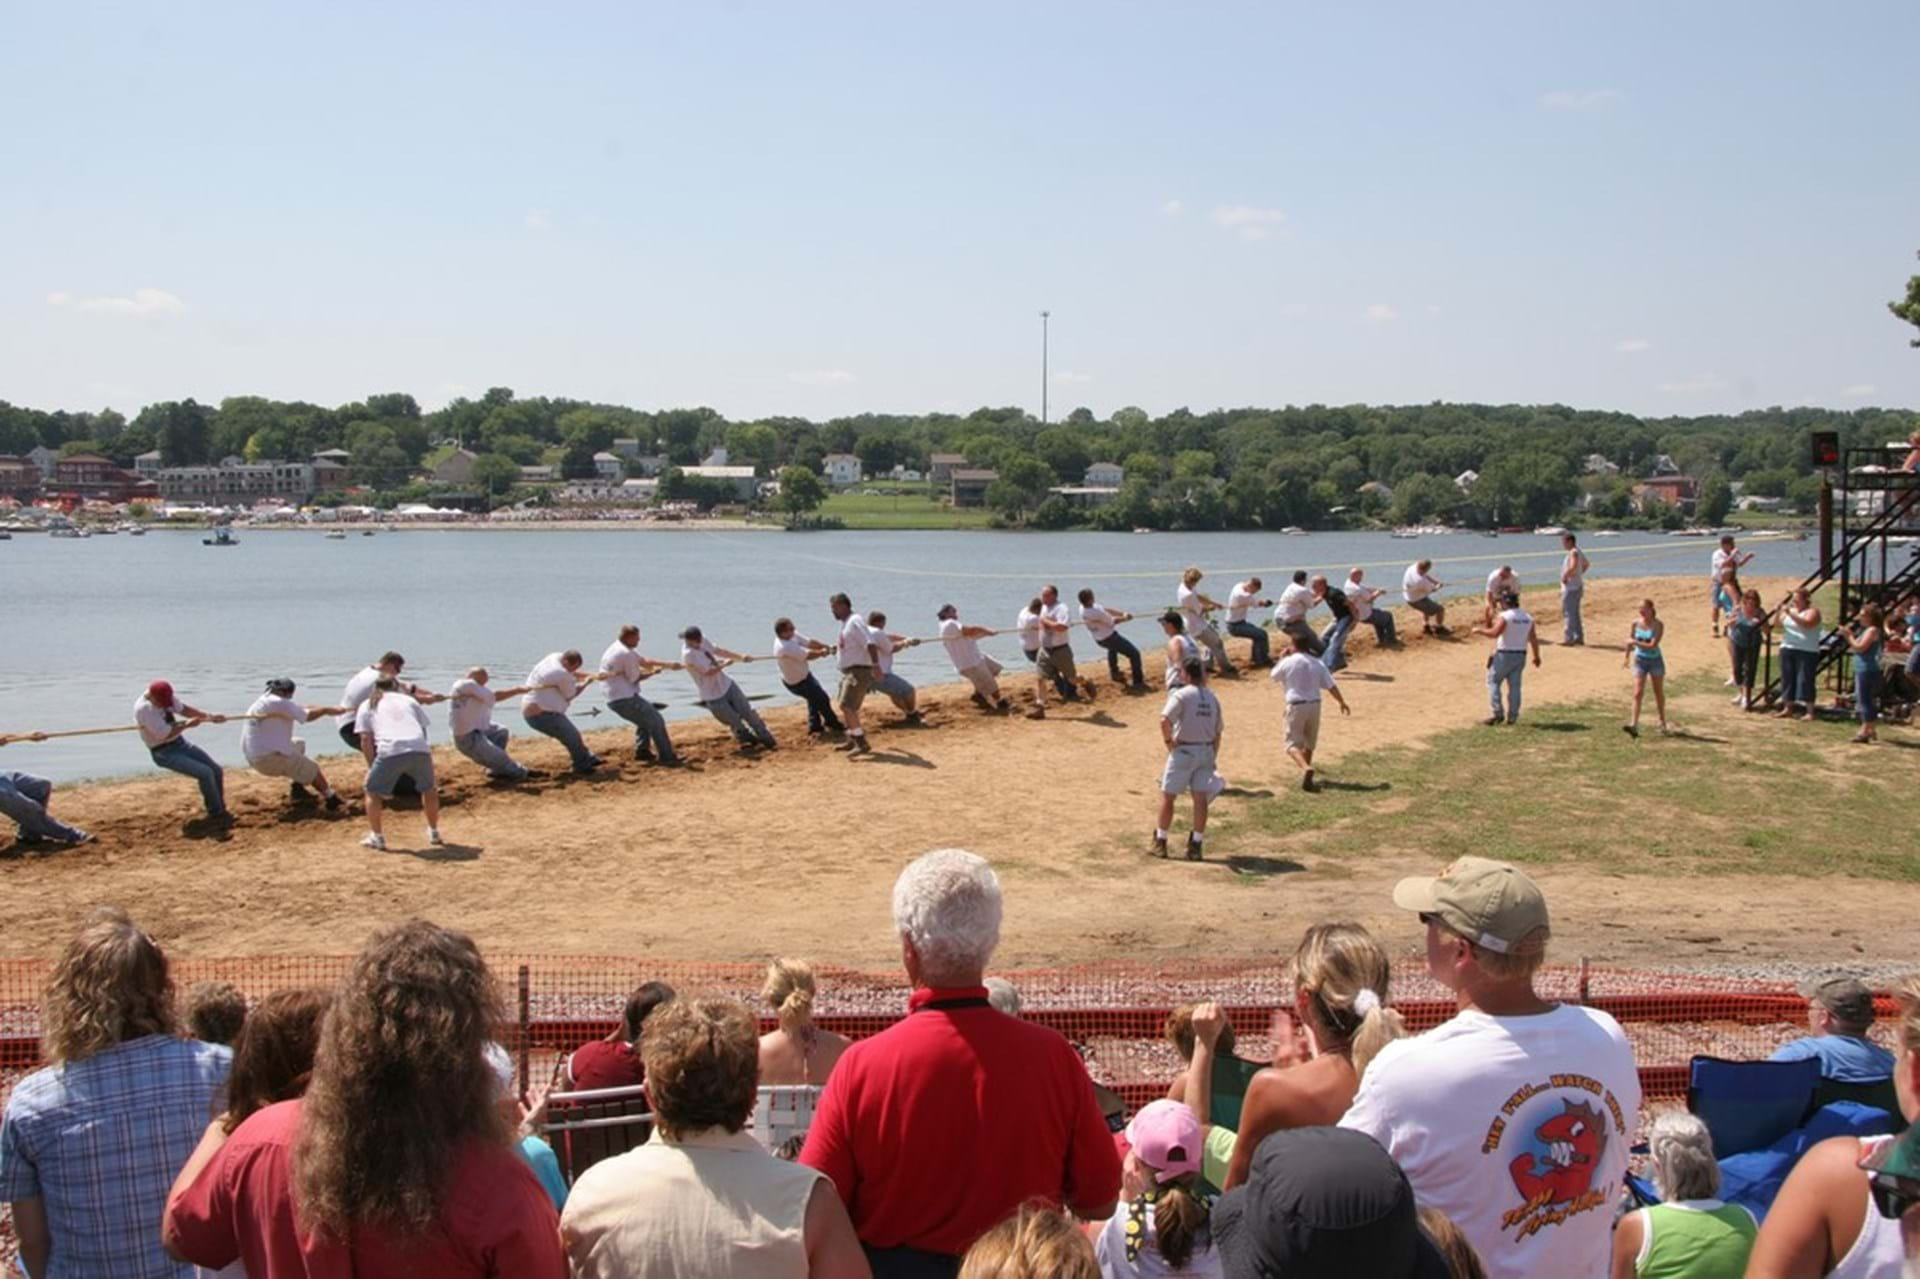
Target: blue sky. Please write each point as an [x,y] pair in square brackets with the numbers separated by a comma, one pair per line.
[825,209]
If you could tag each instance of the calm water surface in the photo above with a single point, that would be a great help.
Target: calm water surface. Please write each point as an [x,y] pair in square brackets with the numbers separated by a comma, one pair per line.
[84,625]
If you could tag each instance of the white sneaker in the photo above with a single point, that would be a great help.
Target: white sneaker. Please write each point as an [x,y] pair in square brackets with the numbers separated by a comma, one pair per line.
[376,842]
[433,837]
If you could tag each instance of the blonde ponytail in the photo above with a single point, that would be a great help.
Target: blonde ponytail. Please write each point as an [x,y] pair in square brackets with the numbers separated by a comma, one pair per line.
[1345,975]
[789,989]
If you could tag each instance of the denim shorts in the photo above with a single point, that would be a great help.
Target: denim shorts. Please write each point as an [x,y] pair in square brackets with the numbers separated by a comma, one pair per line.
[389,769]
[1656,665]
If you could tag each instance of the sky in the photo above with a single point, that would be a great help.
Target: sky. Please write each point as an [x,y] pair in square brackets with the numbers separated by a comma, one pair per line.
[837,208]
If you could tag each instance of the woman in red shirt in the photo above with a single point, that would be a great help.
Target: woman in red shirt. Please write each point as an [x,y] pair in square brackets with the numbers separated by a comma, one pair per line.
[612,1062]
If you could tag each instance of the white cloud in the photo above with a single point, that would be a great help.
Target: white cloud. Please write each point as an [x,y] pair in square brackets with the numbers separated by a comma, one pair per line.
[1580,99]
[1632,346]
[143,302]
[820,377]
[1698,385]
[1249,221]
[539,220]
[1859,390]
[1068,377]
[1173,208]
[1381,313]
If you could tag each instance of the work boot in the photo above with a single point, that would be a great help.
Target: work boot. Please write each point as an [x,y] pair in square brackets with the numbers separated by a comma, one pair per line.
[1193,848]
[1159,848]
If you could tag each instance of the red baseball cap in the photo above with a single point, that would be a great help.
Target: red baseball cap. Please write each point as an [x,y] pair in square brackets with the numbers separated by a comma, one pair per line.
[160,693]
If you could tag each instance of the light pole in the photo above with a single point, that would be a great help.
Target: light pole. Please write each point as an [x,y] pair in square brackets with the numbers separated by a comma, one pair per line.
[1043,366]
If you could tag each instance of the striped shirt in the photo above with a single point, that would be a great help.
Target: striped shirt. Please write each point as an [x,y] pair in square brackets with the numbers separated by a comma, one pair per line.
[99,1141]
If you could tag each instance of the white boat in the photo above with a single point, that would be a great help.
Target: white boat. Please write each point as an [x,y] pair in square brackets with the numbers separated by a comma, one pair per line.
[1405,533]
[1294,530]
[138,530]
[336,536]
[1549,530]
[1608,532]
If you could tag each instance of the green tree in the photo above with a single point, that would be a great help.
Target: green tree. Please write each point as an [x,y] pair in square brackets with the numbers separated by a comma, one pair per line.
[495,473]
[1422,498]
[1909,310]
[801,490]
[1716,499]
[1193,464]
[183,428]
[378,460]
[1055,513]
[754,443]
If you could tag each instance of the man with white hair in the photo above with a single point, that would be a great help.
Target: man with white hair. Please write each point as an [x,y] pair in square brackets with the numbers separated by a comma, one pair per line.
[940,1126]
[1362,598]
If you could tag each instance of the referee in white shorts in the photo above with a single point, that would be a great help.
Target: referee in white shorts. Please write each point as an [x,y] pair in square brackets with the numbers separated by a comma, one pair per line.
[1305,677]
[1191,725]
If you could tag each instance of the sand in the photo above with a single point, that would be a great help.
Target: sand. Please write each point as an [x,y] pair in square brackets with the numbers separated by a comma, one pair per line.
[735,859]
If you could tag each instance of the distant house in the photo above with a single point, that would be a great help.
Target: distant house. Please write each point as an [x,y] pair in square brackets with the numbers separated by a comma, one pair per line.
[1085,495]
[1663,465]
[237,483]
[647,465]
[969,487]
[1105,475]
[716,458]
[1374,488]
[1466,480]
[539,474]
[609,466]
[331,471]
[905,474]
[147,464]
[741,477]
[941,467]
[1678,491]
[627,447]
[1597,464]
[19,479]
[842,470]
[455,468]
[92,478]
[1765,505]
[45,459]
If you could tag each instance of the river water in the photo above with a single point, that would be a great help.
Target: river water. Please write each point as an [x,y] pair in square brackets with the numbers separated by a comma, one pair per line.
[86,624]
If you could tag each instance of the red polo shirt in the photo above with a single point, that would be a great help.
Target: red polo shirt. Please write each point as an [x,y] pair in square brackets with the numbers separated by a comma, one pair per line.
[940,1126]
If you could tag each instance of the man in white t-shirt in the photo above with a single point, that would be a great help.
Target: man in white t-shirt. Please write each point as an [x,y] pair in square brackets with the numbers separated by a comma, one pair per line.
[1513,634]
[1502,582]
[272,749]
[1194,606]
[979,670]
[1573,587]
[552,684]
[1290,614]
[707,664]
[1056,646]
[163,721]
[361,685]
[1243,596]
[1724,580]
[623,670]
[1418,587]
[856,672]
[793,651]
[393,737]
[475,735]
[1102,627]
[1305,678]
[1191,726]
[894,686]
[1364,599]
[1030,625]
[1514,1118]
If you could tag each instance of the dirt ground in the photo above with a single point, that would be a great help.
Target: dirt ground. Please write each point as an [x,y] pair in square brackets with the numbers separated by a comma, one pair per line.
[735,859]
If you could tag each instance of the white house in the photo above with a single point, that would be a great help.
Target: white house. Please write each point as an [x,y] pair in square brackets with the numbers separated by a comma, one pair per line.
[609,466]
[741,477]
[1597,464]
[147,464]
[1466,480]
[1105,475]
[841,469]
[716,458]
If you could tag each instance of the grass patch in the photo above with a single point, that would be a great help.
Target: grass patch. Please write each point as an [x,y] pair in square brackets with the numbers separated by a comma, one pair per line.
[1734,793]
[907,508]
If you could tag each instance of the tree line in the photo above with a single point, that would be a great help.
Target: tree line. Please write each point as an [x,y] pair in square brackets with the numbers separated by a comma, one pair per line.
[1241,468]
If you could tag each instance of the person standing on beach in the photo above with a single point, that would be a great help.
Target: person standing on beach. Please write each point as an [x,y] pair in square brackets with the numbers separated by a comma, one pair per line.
[1643,654]
[1363,598]
[793,651]
[552,684]
[1747,629]
[1724,575]
[393,737]
[1296,601]
[1305,678]
[1573,587]
[475,735]
[974,666]
[1056,643]
[1243,596]
[1333,642]
[895,687]
[1102,624]
[163,721]
[25,799]
[1418,588]
[1180,647]
[1199,629]
[624,670]
[1191,727]
[1513,634]
[273,751]
[1867,640]
[707,664]
[856,672]
[1799,653]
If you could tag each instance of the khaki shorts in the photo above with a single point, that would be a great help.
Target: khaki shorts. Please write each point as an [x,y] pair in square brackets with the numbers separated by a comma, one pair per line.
[1303,725]
[1057,663]
[982,678]
[1190,768]
[855,683]
[295,767]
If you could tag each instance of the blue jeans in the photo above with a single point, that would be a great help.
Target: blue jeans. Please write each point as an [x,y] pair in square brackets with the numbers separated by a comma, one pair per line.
[649,726]
[820,716]
[1119,646]
[1262,654]
[1506,669]
[1797,675]
[1334,642]
[737,713]
[556,725]
[182,756]
[1383,626]
[1305,632]
[24,797]
[487,747]
[1573,631]
[1866,692]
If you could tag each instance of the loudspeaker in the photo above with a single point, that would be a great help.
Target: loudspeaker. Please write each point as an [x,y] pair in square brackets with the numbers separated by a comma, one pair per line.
[1826,448]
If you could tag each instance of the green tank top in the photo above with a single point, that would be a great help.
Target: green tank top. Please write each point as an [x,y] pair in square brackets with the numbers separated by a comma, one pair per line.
[1696,1241]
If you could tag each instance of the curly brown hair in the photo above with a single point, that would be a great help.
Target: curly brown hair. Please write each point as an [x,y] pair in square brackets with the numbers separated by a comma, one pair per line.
[400,1084]
[215,1010]
[703,1065]
[111,985]
[273,1058]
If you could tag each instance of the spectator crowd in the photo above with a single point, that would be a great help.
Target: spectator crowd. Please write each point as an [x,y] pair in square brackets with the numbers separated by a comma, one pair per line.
[378,1129]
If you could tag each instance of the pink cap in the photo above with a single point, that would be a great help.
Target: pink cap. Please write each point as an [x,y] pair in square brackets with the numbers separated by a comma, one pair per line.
[1166,1137]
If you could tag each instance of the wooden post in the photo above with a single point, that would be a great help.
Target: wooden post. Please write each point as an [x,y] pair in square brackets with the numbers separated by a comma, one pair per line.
[1826,522]
[526,1027]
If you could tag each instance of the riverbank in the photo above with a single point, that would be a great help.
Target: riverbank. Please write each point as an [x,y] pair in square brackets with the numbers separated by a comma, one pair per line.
[737,857]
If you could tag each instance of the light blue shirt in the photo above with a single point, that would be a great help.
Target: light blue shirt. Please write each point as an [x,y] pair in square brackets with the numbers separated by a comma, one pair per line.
[546,1166]
[1842,1058]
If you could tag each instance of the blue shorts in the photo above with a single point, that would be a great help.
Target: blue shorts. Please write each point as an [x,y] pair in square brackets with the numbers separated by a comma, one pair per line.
[1655,665]
[389,769]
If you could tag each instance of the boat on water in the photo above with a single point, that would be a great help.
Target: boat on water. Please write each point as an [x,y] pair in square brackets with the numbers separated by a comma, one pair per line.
[1549,530]
[68,531]
[1138,530]
[222,536]
[138,530]
[336,536]
[1405,533]
[1608,532]
[1294,530]
[1489,532]
[366,532]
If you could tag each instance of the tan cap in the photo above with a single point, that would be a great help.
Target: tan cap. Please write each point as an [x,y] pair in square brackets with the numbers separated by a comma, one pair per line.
[1491,904]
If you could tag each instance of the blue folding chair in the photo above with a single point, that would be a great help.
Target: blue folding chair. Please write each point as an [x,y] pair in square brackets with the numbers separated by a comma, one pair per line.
[1749,1105]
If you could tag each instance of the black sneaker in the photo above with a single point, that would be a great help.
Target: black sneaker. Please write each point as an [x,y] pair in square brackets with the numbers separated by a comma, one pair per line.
[1193,849]
[981,702]
[1308,784]
[1159,848]
[334,802]
[1493,721]
[914,717]
[298,794]
[859,746]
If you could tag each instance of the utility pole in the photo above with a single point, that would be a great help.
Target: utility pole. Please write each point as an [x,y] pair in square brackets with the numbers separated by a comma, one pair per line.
[1043,366]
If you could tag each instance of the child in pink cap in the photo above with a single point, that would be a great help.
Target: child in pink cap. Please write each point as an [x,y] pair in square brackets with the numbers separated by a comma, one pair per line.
[1162,1228]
